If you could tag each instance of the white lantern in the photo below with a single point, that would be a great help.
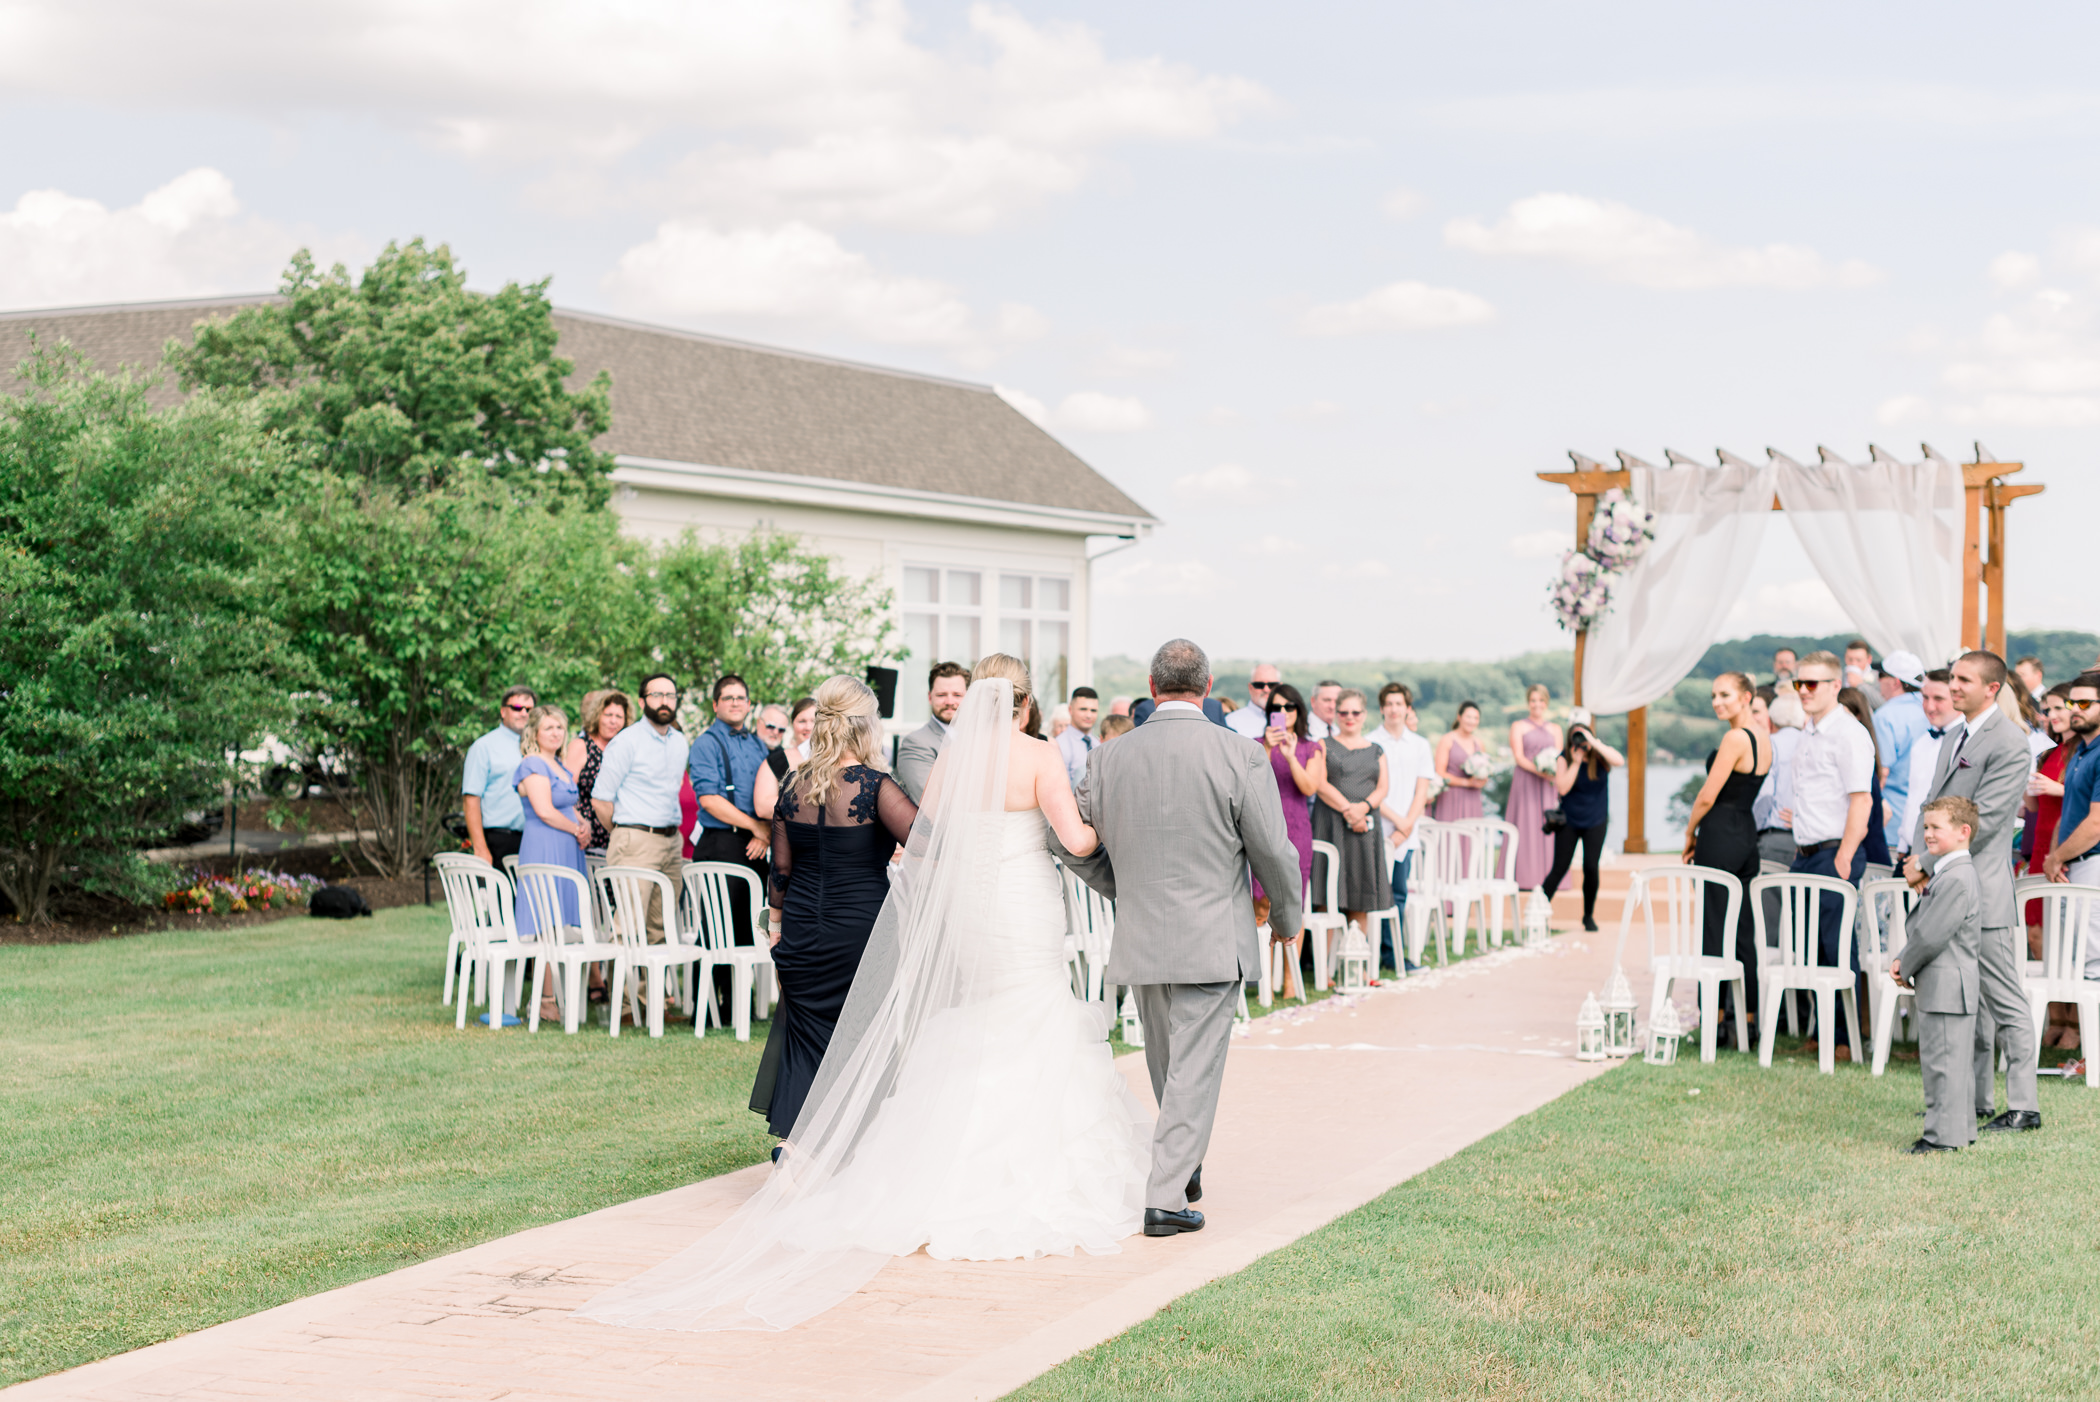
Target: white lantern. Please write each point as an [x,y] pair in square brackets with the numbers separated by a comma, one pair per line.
[1619,1010]
[1538,919]
[1355,960]
[1663,1036]
[1133,1025]
[1589,1030]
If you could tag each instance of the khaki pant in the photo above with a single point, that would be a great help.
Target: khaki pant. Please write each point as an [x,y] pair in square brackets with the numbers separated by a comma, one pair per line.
[632,847]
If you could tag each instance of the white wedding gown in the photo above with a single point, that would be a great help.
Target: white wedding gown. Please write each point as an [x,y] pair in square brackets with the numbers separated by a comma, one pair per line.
[1002,1129]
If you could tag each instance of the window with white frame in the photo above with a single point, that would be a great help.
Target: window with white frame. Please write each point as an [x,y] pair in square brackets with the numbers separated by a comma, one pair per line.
[954,614]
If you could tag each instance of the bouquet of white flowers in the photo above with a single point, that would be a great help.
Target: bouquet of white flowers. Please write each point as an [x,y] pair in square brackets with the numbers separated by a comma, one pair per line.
[1479,766]
[1546,759]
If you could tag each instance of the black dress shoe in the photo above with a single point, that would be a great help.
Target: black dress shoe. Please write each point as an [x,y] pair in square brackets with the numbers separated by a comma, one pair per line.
[1195,1192]
[1160,1222]
[1926,1146]
[2013,1120]
[1589,925]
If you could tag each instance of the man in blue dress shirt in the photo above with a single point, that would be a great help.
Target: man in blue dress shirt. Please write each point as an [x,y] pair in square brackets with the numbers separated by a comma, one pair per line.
[725,761]
[1897,726]
[495,813]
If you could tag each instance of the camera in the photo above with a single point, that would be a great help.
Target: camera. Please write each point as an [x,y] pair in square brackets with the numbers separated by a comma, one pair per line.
[1578,740]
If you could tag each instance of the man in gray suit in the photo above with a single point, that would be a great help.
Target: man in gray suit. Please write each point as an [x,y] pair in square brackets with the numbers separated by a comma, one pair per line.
[946,685]
[1184,808]
[1939,961]
[1987,763]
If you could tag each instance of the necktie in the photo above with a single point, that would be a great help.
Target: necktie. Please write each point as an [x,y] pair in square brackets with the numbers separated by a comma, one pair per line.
[1087,740]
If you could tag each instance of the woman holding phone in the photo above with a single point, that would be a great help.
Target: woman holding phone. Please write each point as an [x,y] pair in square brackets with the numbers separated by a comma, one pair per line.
[1300,767]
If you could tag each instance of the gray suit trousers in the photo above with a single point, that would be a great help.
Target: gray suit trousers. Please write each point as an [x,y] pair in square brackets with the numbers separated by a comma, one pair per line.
[1188,1029]
[1949,1115]
[2002,1016]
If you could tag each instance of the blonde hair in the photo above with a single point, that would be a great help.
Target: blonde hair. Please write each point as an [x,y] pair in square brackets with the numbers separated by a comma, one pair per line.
[594,704]
[1786,711]
[1112,726]
[848,731]
[1011,668]
[1538,689]
[529,737]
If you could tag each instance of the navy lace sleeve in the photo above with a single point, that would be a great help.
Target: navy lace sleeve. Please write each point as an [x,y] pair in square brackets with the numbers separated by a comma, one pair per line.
[783,851]
[897,809]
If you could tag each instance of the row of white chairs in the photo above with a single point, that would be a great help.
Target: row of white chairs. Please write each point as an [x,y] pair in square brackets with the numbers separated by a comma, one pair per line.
[1786,914]
[611,928]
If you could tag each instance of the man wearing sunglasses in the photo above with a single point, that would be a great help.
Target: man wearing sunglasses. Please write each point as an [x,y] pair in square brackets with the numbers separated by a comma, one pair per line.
[495,814]
[1833,777]
[2075,856]
[1252,719]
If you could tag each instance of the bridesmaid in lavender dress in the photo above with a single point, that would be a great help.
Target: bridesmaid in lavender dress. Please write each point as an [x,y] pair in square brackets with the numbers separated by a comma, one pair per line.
[1461,796]
[1531,790]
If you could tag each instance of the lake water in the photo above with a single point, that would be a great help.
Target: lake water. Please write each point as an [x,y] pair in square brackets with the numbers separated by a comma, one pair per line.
[1663,781]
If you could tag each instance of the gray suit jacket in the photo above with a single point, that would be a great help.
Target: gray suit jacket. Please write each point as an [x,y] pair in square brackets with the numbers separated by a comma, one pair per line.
[1184,807]
[916,753]
[1991,773]
[1945,932]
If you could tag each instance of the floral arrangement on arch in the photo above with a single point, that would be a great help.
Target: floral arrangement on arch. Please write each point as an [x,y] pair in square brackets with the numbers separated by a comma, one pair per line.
[1620,533]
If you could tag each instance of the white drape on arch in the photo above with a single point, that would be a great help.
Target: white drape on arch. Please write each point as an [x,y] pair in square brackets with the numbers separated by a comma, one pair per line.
[1886,536]
[1709,523]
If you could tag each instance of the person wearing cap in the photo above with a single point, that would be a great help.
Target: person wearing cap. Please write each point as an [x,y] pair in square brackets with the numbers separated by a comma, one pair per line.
[1897,726]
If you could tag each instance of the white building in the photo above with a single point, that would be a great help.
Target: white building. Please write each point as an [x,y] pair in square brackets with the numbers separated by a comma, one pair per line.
[981,523]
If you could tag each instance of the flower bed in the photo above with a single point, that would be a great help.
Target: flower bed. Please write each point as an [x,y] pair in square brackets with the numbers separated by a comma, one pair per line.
[201,893]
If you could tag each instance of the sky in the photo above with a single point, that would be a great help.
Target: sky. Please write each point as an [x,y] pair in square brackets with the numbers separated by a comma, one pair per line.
[1321,286]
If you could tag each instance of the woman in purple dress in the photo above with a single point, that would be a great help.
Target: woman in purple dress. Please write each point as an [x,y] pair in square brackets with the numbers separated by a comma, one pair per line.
[1301,767]
[1531,790]
[1461,796]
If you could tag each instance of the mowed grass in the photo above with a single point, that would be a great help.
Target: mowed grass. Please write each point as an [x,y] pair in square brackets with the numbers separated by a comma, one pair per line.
[1764,1238]
[199,1125]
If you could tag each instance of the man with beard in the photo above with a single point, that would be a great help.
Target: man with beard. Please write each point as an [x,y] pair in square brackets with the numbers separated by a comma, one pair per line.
[2075,855]
[724,763]
[946,685]
[637,792]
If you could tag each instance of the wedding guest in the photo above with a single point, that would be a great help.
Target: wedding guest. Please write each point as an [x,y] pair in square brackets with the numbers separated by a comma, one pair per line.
[837,824]
[2075,854]
[1060,721]
[1347,816]
[1874,851]
[765,792]
[1940,963]
[802,719]
[1783,664]
[1113,725]
[636,794]
[1937,704]
[554,832]
[1897,726]
[1322,718]
[1531,790]
[1722,831]
[1078,742]
[1300,766]
[604,716]
[1410,765]
[1252,719]
[1461,798]
[1582,774]
[946,685]
[2044,805]
[1033,726]
[1775,801]
[724,764]
[772,726]
[1119,706]
[1859,673]
[495,818]
[2029,671]
[2021,708]
[1832,813]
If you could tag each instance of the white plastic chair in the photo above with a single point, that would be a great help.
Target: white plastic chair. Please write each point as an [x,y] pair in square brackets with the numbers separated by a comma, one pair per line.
[627,891]
[2068,915]
[574,947]
[1090,929]
[1799,964]
[1425,900]
[1678,895]
[1884,907]
[1490,855]
[711,887]
[467,897]
[1322,926]
[492,948]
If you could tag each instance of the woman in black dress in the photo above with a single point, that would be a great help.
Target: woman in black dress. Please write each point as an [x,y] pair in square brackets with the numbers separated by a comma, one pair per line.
[836,825]
[1722,834]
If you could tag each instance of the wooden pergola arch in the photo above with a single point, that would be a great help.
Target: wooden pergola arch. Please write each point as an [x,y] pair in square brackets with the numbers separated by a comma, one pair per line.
[1985,495]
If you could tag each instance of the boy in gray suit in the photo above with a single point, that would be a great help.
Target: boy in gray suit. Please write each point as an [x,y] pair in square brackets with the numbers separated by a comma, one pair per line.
[1939,962]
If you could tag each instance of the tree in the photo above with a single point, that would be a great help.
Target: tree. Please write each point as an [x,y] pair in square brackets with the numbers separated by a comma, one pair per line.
[137,639]
[405,378]
[778,614]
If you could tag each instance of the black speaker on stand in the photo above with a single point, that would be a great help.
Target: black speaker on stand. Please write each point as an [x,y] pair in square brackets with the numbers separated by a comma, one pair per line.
[883,682]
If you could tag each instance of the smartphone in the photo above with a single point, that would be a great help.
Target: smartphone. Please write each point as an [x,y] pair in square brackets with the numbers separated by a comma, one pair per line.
[1279,720]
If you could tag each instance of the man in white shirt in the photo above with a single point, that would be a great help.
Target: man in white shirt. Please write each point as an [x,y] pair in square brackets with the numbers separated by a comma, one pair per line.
[1409,763]
[1076,741]
[1320,724]
[1833,792]
[1252,719]
[636,793]
[1925,753]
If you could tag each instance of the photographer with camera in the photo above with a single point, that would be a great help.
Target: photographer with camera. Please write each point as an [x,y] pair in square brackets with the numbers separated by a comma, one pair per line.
[1581,777]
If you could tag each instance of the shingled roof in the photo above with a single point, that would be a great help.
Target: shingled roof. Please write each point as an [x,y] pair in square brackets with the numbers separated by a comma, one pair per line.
[682,397]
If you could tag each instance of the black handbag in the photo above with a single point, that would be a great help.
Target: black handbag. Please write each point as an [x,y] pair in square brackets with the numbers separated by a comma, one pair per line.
[1555,821]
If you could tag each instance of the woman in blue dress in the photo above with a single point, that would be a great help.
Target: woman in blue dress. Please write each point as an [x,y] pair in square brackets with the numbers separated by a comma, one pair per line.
[555,832]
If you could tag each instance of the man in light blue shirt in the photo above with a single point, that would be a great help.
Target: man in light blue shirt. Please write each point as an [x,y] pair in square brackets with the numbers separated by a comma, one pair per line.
[636,793]
[1897,726]
[1077,741]
[725,762]
[495,813]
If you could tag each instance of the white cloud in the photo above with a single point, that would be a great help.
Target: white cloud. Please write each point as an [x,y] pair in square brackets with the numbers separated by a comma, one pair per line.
[1540,545]
[1017,321]
[792,272]
[1399,306]
[2035,364]
[1176,579]
[188,238]
[1027,403]
[1090,411]
[1403,204]
[1622,244]
[1231,484]
[1902,409]
[1790,606]
[2013,271]
[1127,361]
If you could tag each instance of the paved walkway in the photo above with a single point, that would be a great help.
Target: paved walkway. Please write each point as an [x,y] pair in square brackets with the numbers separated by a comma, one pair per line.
[1324,1108]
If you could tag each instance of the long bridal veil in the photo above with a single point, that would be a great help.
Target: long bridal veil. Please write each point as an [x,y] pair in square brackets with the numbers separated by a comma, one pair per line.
[820,1227]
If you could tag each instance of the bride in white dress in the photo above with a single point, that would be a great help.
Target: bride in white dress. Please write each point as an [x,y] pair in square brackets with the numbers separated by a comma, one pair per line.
[968,1103]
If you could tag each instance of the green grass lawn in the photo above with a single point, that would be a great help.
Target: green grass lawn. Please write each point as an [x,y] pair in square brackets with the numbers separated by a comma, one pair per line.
[199,1125]
[1764,1238]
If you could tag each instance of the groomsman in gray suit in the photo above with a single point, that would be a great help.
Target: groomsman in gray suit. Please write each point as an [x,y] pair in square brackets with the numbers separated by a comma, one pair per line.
[1939,962]
[1184,807]
[946,685]
[1987,763]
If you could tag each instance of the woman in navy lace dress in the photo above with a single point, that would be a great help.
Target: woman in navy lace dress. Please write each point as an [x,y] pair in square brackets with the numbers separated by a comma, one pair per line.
[835,827]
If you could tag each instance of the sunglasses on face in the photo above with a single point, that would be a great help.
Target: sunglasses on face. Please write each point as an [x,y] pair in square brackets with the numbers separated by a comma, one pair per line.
[521,710]
[2082,704]
[1810,683]
[772,729]
[1261,686]
[1288,708]
[1346,714]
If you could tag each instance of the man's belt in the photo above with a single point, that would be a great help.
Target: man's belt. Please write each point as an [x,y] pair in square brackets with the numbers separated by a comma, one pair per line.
[1810,849]
[671,831]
